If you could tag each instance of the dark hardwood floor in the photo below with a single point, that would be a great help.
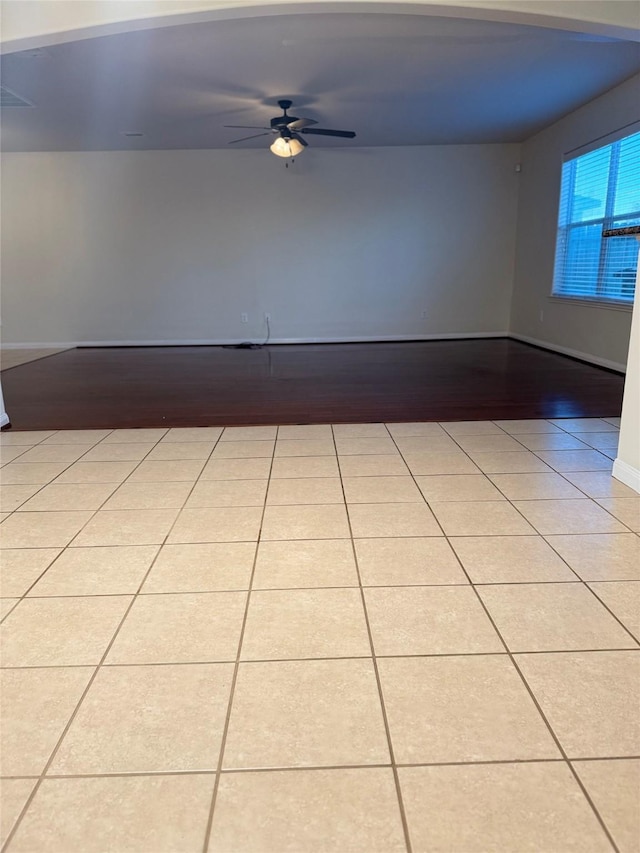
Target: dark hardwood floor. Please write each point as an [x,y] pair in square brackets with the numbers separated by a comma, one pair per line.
[313,383]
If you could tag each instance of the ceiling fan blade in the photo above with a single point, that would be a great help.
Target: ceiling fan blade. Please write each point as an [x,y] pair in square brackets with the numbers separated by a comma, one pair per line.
[247,126]
[244,138]
[299,139]
[321,131]
[299,123]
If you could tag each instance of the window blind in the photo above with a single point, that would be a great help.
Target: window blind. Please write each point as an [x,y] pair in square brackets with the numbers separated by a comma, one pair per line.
[599,190]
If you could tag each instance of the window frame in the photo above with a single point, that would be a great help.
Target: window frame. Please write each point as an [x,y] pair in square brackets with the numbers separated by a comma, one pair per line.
[606,221]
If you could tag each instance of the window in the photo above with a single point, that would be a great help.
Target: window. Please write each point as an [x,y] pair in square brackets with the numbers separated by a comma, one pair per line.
[599,190]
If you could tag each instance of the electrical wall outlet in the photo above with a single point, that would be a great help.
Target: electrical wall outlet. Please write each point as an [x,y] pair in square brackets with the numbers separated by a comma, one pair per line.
[244,318]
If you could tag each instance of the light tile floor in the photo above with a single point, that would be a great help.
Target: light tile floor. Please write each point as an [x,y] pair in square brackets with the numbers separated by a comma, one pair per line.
[365,638]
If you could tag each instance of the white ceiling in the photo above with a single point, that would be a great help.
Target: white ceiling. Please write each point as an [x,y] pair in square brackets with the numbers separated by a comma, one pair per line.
[394,79]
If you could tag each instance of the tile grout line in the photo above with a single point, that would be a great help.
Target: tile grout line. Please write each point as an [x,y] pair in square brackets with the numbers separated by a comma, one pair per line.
[27,448]
[130,475]
[236,669]
[80,459]
[531,692]
[63,548]
[161,440]
[578,577]
[49,482]
[535,701]
[583,498]
[548,465]
[117,487]
[83,695]
[103,440]
[385,719]
[248,596]
[249,662]
[533,533]
[11,512]
[551,731]
[566,757]
[252,661]
[586,471]
[315,767]
[309,588]
[598,599]
[555,471]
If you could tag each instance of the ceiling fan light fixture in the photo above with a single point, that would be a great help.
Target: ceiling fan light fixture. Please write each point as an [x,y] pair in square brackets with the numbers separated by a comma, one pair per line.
[286,147]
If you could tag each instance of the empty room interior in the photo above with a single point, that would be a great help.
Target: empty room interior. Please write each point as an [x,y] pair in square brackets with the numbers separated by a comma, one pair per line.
[320,409]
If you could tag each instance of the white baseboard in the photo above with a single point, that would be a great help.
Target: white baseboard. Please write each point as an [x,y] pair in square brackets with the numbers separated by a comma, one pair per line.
[59,347]
[350,339]
[627,474]
[583,356]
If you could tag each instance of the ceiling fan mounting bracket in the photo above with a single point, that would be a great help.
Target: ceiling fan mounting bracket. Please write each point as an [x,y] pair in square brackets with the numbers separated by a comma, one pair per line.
[280,122]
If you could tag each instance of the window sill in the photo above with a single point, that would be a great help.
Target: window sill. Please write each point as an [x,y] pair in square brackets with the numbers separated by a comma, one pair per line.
[593,303]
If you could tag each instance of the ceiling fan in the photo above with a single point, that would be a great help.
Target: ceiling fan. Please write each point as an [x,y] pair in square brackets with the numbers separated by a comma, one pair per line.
[288,128]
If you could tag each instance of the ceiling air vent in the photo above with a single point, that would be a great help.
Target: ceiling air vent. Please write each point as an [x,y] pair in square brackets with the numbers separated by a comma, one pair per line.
[10,99]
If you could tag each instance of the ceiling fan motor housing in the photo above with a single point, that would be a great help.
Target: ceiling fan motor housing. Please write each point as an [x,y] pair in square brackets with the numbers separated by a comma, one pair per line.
[281,122]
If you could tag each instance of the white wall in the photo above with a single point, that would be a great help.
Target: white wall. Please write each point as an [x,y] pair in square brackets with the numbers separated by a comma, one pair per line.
[627,465]
[175,245]
[601,334]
